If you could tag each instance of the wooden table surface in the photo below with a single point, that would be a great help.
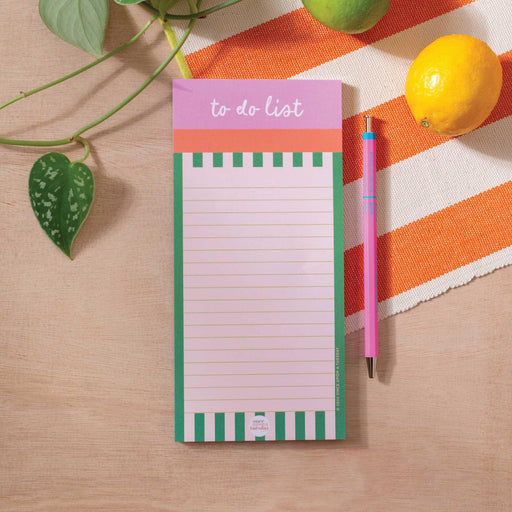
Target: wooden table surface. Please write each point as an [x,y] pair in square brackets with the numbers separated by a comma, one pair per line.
[86,359]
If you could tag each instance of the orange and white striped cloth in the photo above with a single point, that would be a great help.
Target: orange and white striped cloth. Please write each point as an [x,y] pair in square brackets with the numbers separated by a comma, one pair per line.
[444,205]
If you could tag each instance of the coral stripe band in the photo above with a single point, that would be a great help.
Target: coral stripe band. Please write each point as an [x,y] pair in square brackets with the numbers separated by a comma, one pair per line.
[234,141]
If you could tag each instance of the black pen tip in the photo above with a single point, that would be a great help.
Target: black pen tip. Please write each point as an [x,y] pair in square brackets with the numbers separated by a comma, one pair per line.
[371,363]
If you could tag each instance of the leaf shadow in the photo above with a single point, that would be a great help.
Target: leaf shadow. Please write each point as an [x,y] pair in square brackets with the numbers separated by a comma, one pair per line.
[122,26]
[112,198]
[77,106]
[136,117]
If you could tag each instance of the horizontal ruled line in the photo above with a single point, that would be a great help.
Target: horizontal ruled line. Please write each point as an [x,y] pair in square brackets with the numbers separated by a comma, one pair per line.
[238,349]
[267,224]
[216,237]
[257,275]
[250,287]
[253,250]
[250,361]
[251,337]
[246,312]
[237,187]
[247,399]
[256,300]
[254,325]
[258,199]
[251,374]
[253,213]
[251,262]
[258,387]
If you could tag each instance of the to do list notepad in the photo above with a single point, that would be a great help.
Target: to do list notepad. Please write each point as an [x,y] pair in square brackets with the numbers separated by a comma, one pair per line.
[258,230]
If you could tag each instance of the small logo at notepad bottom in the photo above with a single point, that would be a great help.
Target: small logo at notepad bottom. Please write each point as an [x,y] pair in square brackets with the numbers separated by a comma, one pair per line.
[259,426]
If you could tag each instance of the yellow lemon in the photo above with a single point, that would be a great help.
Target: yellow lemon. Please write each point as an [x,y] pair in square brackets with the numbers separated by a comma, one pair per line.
[453,85]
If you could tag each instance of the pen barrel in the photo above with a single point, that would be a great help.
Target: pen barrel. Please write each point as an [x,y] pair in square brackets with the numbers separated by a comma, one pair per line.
[370,246]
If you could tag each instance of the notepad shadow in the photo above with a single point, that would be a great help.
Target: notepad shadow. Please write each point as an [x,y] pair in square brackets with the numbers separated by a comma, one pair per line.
[356,382]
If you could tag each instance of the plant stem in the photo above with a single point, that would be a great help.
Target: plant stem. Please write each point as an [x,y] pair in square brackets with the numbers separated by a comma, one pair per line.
[198,14]
[173,41]
[76,136]
[86,146]
[81,70]
[143,86]
[13,142]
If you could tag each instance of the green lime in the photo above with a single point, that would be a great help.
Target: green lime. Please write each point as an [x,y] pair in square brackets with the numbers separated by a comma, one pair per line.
[350,16]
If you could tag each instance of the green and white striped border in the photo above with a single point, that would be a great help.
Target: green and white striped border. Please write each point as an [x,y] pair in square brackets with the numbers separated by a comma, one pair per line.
[240,420]
[283,426]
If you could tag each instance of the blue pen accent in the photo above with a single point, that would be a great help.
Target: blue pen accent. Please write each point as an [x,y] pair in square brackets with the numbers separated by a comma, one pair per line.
[368,135]
[369,197]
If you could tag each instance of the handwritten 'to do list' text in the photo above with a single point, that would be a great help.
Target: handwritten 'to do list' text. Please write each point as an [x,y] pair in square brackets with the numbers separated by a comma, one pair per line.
[273,108]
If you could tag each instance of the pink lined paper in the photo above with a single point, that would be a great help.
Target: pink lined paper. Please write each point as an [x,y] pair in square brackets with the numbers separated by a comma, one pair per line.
[258,276]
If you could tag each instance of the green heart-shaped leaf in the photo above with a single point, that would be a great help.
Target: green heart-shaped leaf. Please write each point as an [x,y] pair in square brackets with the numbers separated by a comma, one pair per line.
[81,23]
[61,194]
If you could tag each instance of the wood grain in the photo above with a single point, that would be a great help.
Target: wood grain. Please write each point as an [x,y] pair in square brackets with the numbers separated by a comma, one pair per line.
[86,393]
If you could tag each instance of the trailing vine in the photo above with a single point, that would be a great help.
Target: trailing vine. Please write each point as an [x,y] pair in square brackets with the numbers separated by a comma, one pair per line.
[61,192]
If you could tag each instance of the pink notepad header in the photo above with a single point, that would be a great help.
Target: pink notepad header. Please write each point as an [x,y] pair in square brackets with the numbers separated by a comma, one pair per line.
[257,104]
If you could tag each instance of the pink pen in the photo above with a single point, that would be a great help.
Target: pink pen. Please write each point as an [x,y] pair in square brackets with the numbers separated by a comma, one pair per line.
[371,338]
